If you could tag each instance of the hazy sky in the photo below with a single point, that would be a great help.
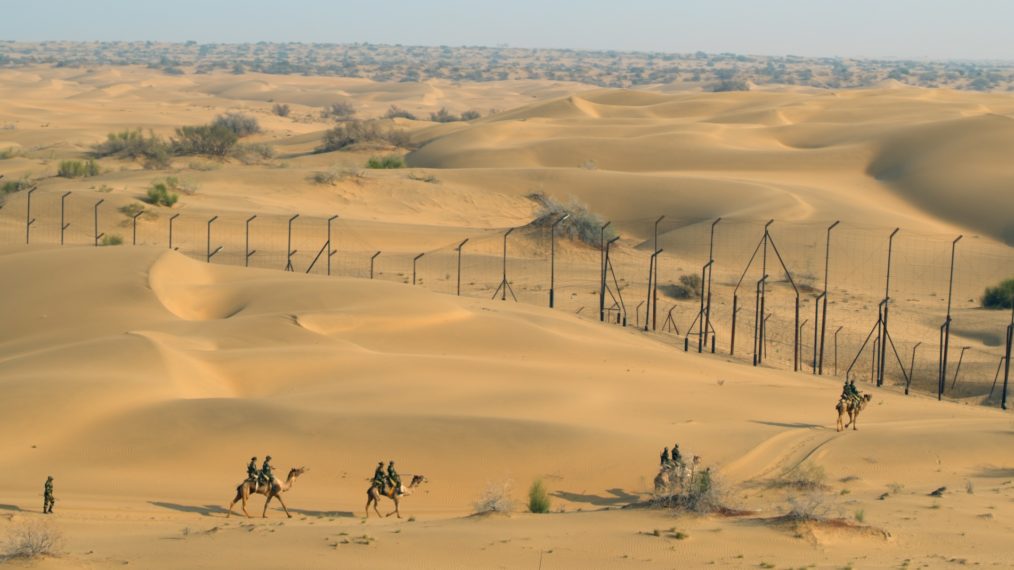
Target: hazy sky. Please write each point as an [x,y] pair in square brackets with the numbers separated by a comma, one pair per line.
[937,29]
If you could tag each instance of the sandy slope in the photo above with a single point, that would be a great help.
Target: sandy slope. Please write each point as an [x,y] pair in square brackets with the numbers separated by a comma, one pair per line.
[145,392]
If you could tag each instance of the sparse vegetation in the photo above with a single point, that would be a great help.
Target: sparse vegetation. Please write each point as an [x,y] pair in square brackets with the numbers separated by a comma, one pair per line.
[211,140]
[496,498]
[134,145]
[809,507]
[242,125]
[10,152]
[78,169]
[860,516]
[444,116]
[688,287]
[385,162]
[471,115]
[253,153]
[31,539]
[12,186]
[538,498]
[999,297]
[281,109]
[703,495]
[352,133]
[581,225]
[342,111]
[131,210]
[333,175]
[729,85]
[803,477]
[112,239]
[160,194]
[395,112]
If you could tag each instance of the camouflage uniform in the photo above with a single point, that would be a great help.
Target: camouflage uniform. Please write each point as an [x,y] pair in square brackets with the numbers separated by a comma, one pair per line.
[47,497]
[251,470]
[378,477]
[854,393]
[677,457]
[392,476]
[265,475]
[664,459]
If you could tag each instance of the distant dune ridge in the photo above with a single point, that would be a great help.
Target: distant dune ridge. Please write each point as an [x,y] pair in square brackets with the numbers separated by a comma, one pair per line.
[144,379]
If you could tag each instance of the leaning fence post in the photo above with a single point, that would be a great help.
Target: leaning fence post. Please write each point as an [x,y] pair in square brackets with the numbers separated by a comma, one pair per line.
[97,234]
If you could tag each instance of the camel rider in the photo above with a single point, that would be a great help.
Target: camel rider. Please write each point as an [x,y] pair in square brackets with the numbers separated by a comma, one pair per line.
[378,476]
[853,392]
[265,475]
[251,470]
[677,457]
[846,394]
[393,478]
[664,460]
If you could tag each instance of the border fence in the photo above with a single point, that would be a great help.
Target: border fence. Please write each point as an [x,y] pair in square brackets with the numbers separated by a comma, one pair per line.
[836,299]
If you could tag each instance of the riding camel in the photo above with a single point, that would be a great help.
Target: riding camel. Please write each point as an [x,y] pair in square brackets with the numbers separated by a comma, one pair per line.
[852,408]
[676,475]
[373,495]
[272,491]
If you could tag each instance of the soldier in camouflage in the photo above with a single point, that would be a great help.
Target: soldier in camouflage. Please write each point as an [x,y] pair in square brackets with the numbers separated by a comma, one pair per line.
[47,497]
[378,476]
[265,475]
[393,478]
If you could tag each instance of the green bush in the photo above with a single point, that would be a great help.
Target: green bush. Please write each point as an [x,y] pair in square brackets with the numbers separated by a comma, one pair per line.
[211,140]
[160,195]
[134,145]
[351,133]
[78,169]
[538,498]
[111,240]
[444,116]
[999,297]
[12,186]
[386,162]
[10,152]
[241,124]
[470,115]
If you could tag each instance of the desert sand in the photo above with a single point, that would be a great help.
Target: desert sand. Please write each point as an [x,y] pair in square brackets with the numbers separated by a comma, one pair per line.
[143,379]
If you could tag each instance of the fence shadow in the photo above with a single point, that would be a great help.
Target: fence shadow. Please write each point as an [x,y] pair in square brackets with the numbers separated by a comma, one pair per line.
[204,511]
[617,497]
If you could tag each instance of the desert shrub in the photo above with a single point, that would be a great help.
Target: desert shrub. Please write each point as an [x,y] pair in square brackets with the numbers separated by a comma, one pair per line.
[688,287]
[204,166]
[582,224]
[131,210]
[805,477]
[729,85]
[78,169]
[134,145]
[12,186]
[351,133]
[333,175]
[31,539]
[253,153]
[10,152]
[702,495]
[495,498]
[159,194]
[239,123]
[395,112]
[211,140]
[470,115]
[113,239]
[341,111]
[281,109]
[386,162]
[444,116]
[999,297]
[809,507]
[538,498]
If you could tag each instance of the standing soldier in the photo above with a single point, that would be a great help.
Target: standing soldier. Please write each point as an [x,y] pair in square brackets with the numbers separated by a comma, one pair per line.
[393,477]
[251,472]
[266,476]
[378,476]
[47,497]
[664,460]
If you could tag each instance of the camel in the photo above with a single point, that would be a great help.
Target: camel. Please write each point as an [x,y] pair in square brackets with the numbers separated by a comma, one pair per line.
[273,491]
[852,409]
[676,475]
[373,495]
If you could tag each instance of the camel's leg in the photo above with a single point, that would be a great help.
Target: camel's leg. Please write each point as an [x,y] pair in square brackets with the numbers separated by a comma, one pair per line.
[369,499]
[284,508]
[236,499]
[264,515]
[246,497]
[395,511]
[854,418]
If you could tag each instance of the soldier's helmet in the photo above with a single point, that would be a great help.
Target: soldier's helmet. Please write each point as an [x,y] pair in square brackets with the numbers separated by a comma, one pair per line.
[254,458]
[50,478]
[380,463]
[392,462]
[268,458]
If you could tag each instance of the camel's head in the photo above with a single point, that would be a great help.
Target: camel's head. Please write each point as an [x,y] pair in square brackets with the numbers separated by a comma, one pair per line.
[417,480]
[297,471]
[867,397]
[697,460]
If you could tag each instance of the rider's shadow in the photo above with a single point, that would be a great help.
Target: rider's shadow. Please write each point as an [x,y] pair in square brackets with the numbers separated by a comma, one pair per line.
[618,497]
[323,514]
[795,425]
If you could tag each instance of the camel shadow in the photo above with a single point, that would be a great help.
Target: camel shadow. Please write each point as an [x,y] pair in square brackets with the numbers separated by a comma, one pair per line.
[10,508]
[205,511]
[796,425]
[322,514]
[992,472]
[618,497]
